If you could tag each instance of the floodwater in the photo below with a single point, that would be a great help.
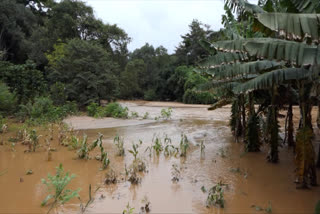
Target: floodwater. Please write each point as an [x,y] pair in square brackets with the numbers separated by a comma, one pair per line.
[251,179]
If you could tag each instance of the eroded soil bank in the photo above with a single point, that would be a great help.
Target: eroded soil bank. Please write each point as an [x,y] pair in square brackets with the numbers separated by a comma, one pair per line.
[251,180]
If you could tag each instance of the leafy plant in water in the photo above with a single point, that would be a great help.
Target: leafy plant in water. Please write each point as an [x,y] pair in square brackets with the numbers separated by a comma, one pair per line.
[56,185]
[166,113]
[34,140]
[134,114]
[184,145]
[145,116]
[157,145]
[128,210]
[169,149]
[134,151]
[119,142]
[83,151]
[215,196]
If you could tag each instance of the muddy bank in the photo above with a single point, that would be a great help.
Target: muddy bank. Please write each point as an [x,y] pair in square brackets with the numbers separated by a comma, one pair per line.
[251,180]
[180,111]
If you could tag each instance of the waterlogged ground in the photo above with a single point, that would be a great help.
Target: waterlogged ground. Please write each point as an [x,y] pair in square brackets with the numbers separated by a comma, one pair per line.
[251,180]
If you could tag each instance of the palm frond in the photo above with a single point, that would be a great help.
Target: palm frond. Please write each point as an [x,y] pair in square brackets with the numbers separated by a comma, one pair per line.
[277,77]
[291,25]
[241,69]
[306,6]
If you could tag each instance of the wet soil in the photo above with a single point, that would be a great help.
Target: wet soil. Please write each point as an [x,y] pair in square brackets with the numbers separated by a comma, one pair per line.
[251,179]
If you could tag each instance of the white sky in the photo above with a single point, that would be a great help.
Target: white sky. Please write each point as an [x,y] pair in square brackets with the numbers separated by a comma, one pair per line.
[158,22]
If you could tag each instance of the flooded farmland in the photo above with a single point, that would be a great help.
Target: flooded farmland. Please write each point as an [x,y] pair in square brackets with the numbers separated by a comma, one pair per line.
[250,180]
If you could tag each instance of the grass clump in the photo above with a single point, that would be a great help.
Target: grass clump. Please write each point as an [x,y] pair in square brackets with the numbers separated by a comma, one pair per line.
[56,185]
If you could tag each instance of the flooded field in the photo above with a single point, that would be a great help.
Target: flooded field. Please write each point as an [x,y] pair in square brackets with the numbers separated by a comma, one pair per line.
[250,178]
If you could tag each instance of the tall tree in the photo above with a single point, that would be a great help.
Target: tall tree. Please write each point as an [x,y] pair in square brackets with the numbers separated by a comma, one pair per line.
[190,51]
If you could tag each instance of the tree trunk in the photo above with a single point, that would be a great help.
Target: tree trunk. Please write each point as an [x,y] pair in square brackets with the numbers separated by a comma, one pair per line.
[273,128]
[291,142]
[243,107]
[252,140]
[305,154]
[318,161]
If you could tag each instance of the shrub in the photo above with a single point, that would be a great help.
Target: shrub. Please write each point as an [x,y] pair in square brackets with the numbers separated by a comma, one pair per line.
[115,110]
[93,109]
[198,97]
[7,100]
[42,110]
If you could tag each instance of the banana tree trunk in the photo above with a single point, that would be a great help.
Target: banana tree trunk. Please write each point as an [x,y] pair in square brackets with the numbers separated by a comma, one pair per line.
[273,128]
[252,140]
[318,161]
[305,154]
[291,142]
[243,109]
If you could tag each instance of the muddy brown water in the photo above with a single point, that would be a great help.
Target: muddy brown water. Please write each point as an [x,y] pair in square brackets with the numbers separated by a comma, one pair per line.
[258,182]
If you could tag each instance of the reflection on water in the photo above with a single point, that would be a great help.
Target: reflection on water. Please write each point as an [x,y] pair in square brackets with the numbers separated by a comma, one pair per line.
[251,180]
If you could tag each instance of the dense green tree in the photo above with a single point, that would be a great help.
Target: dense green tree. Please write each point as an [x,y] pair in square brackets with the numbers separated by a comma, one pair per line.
[16,25]
[86,69]
[190,50]
[7,100]
[132,79]
[25,80]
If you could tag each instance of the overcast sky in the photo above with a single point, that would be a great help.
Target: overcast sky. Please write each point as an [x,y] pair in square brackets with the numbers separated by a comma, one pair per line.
[158,22]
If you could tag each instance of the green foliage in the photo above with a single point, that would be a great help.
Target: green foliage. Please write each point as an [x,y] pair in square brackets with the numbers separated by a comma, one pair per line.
[192,96]
[83,152]
[146,116]
[42,110]
[110,110]
[157,145]
[128,210]
[190,51]
[132,79]
[34,140]
[150,95]
[25,80]
[166,113]
[7,100]
[87,71]
[119,142]
[134,151]
[215,195]
[56,185]
[92,109]
[184,145]
[57,94]
[115,110]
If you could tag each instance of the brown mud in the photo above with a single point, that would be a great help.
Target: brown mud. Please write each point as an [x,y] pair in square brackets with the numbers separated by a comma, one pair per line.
[256,182]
